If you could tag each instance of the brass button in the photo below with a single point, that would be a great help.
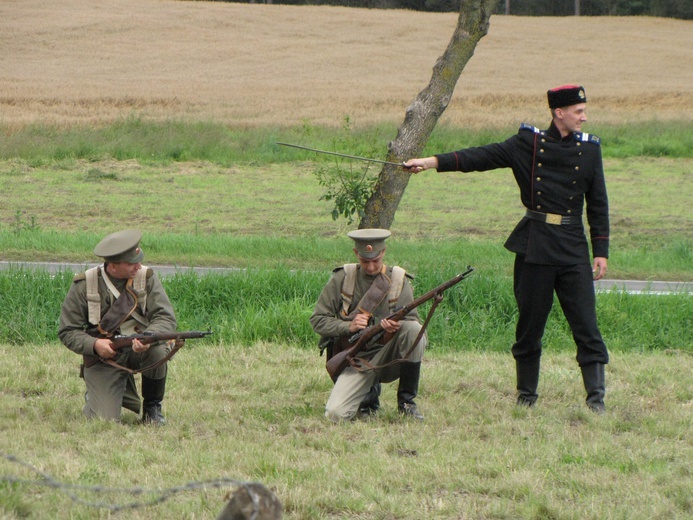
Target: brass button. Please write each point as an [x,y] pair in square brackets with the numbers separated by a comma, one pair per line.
[538,206]
[538,193]
[538,178]
[570,211]
[577,168]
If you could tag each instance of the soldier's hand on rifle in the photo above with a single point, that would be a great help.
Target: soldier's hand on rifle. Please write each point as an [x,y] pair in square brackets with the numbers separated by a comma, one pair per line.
[359,322]
[102,347]
[138,347]
[389,325]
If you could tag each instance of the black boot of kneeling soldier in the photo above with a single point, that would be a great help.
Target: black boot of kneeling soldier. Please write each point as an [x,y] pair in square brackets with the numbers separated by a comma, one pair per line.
[408,389]
[595,385]
[152,396]
[371,403]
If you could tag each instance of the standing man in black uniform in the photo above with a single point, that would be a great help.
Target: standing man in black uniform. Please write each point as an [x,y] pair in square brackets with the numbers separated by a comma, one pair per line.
[558,171]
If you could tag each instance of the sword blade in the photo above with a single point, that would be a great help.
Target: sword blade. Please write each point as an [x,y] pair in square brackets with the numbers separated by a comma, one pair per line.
[358,158]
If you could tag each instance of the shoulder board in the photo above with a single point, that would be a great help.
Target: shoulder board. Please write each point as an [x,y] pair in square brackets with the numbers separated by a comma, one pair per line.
[390,268]
[79,277]
[525,126]
[587,138]
[337,269]
[150,273]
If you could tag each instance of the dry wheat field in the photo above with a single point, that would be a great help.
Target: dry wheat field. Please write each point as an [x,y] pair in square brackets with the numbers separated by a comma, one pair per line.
[86,62]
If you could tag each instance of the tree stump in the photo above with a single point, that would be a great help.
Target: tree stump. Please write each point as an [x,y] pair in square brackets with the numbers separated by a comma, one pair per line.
[252,502]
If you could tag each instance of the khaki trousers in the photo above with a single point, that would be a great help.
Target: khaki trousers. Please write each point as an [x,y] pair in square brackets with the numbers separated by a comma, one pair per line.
[352,386]
[110,389]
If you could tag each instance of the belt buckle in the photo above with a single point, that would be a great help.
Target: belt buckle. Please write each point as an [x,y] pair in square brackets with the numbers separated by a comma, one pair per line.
[552,218]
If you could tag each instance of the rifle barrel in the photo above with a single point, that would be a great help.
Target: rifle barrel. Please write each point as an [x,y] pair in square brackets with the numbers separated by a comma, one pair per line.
[339,361]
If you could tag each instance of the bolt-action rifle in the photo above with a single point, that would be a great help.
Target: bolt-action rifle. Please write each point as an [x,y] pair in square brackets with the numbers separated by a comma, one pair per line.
[119,342]
[146,338]
[340,360]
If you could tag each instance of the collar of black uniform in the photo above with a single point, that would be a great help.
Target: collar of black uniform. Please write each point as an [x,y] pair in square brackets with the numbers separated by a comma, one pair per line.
[554,133]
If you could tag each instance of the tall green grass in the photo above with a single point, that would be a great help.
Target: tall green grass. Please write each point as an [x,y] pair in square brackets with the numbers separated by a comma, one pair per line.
[171,141]
[273,305]
[669,259]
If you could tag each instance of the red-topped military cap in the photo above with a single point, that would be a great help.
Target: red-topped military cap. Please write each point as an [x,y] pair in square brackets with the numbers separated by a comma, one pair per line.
[566,95]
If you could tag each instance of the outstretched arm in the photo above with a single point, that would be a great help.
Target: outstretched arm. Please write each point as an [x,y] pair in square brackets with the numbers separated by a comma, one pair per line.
[419,165]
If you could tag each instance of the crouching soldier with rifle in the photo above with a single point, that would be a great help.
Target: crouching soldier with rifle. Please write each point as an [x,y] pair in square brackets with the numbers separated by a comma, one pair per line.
[120,297]
[356,315]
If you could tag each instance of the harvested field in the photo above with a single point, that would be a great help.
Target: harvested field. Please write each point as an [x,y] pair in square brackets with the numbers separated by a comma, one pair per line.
[253,64]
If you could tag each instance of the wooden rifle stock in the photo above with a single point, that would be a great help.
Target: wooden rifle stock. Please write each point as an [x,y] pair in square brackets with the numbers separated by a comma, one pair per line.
[358,341]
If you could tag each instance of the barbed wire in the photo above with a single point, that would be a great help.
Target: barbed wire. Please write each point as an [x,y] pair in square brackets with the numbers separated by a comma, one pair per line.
[69,489]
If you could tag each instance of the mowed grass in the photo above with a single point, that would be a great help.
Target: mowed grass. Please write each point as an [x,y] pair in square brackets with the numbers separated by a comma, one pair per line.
[268,215]
[254,413]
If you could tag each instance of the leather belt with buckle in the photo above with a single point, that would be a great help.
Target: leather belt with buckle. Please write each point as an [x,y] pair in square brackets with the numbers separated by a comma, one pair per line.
[549,218]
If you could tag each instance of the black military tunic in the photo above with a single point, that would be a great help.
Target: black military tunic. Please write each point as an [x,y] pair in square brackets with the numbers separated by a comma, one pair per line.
[557,177]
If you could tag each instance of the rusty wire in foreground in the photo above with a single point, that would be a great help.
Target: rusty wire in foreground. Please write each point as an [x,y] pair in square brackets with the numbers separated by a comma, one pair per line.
[69,489]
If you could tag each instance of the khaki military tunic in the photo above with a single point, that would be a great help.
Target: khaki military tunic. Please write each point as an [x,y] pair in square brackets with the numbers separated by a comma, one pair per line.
[352,386]
[108,388]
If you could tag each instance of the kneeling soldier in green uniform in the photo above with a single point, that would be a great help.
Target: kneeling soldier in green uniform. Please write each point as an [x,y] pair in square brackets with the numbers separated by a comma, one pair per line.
[357,296]
[119,297]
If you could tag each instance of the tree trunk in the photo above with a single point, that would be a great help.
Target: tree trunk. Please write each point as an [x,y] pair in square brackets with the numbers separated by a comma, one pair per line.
[422,115]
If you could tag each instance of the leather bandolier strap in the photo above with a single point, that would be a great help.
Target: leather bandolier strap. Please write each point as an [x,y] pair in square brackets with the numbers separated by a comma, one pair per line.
[370,301]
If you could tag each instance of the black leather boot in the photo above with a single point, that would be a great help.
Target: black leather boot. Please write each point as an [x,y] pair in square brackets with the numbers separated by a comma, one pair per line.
[409,375]
[595,384]
[152,395]
[371,403]
[527,382]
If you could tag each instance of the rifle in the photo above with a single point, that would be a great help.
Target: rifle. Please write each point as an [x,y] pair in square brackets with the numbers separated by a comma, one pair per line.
[358,341]
[146,338]
[120,342]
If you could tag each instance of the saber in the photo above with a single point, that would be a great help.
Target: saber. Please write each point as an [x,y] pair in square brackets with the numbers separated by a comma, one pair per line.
[358,158]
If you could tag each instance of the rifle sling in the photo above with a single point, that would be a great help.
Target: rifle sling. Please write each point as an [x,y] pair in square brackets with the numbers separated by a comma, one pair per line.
[362,365]
[176,347]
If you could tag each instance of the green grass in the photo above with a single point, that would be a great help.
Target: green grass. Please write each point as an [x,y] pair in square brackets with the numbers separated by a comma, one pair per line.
[247,403]
[203,214]
[174,141]
[254,413]
[273,305]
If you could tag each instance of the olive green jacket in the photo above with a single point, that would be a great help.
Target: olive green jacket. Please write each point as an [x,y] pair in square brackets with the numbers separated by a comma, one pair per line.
[74,316]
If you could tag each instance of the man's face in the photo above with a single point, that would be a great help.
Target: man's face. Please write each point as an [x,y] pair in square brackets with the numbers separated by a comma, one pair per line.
[123,270]
[571,118]
[371,266]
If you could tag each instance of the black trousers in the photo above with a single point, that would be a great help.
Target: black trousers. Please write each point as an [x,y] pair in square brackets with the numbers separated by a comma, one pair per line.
[534,286]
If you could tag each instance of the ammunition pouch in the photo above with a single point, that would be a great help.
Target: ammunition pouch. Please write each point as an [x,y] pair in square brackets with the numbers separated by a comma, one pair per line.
[332,346]
[88,362]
